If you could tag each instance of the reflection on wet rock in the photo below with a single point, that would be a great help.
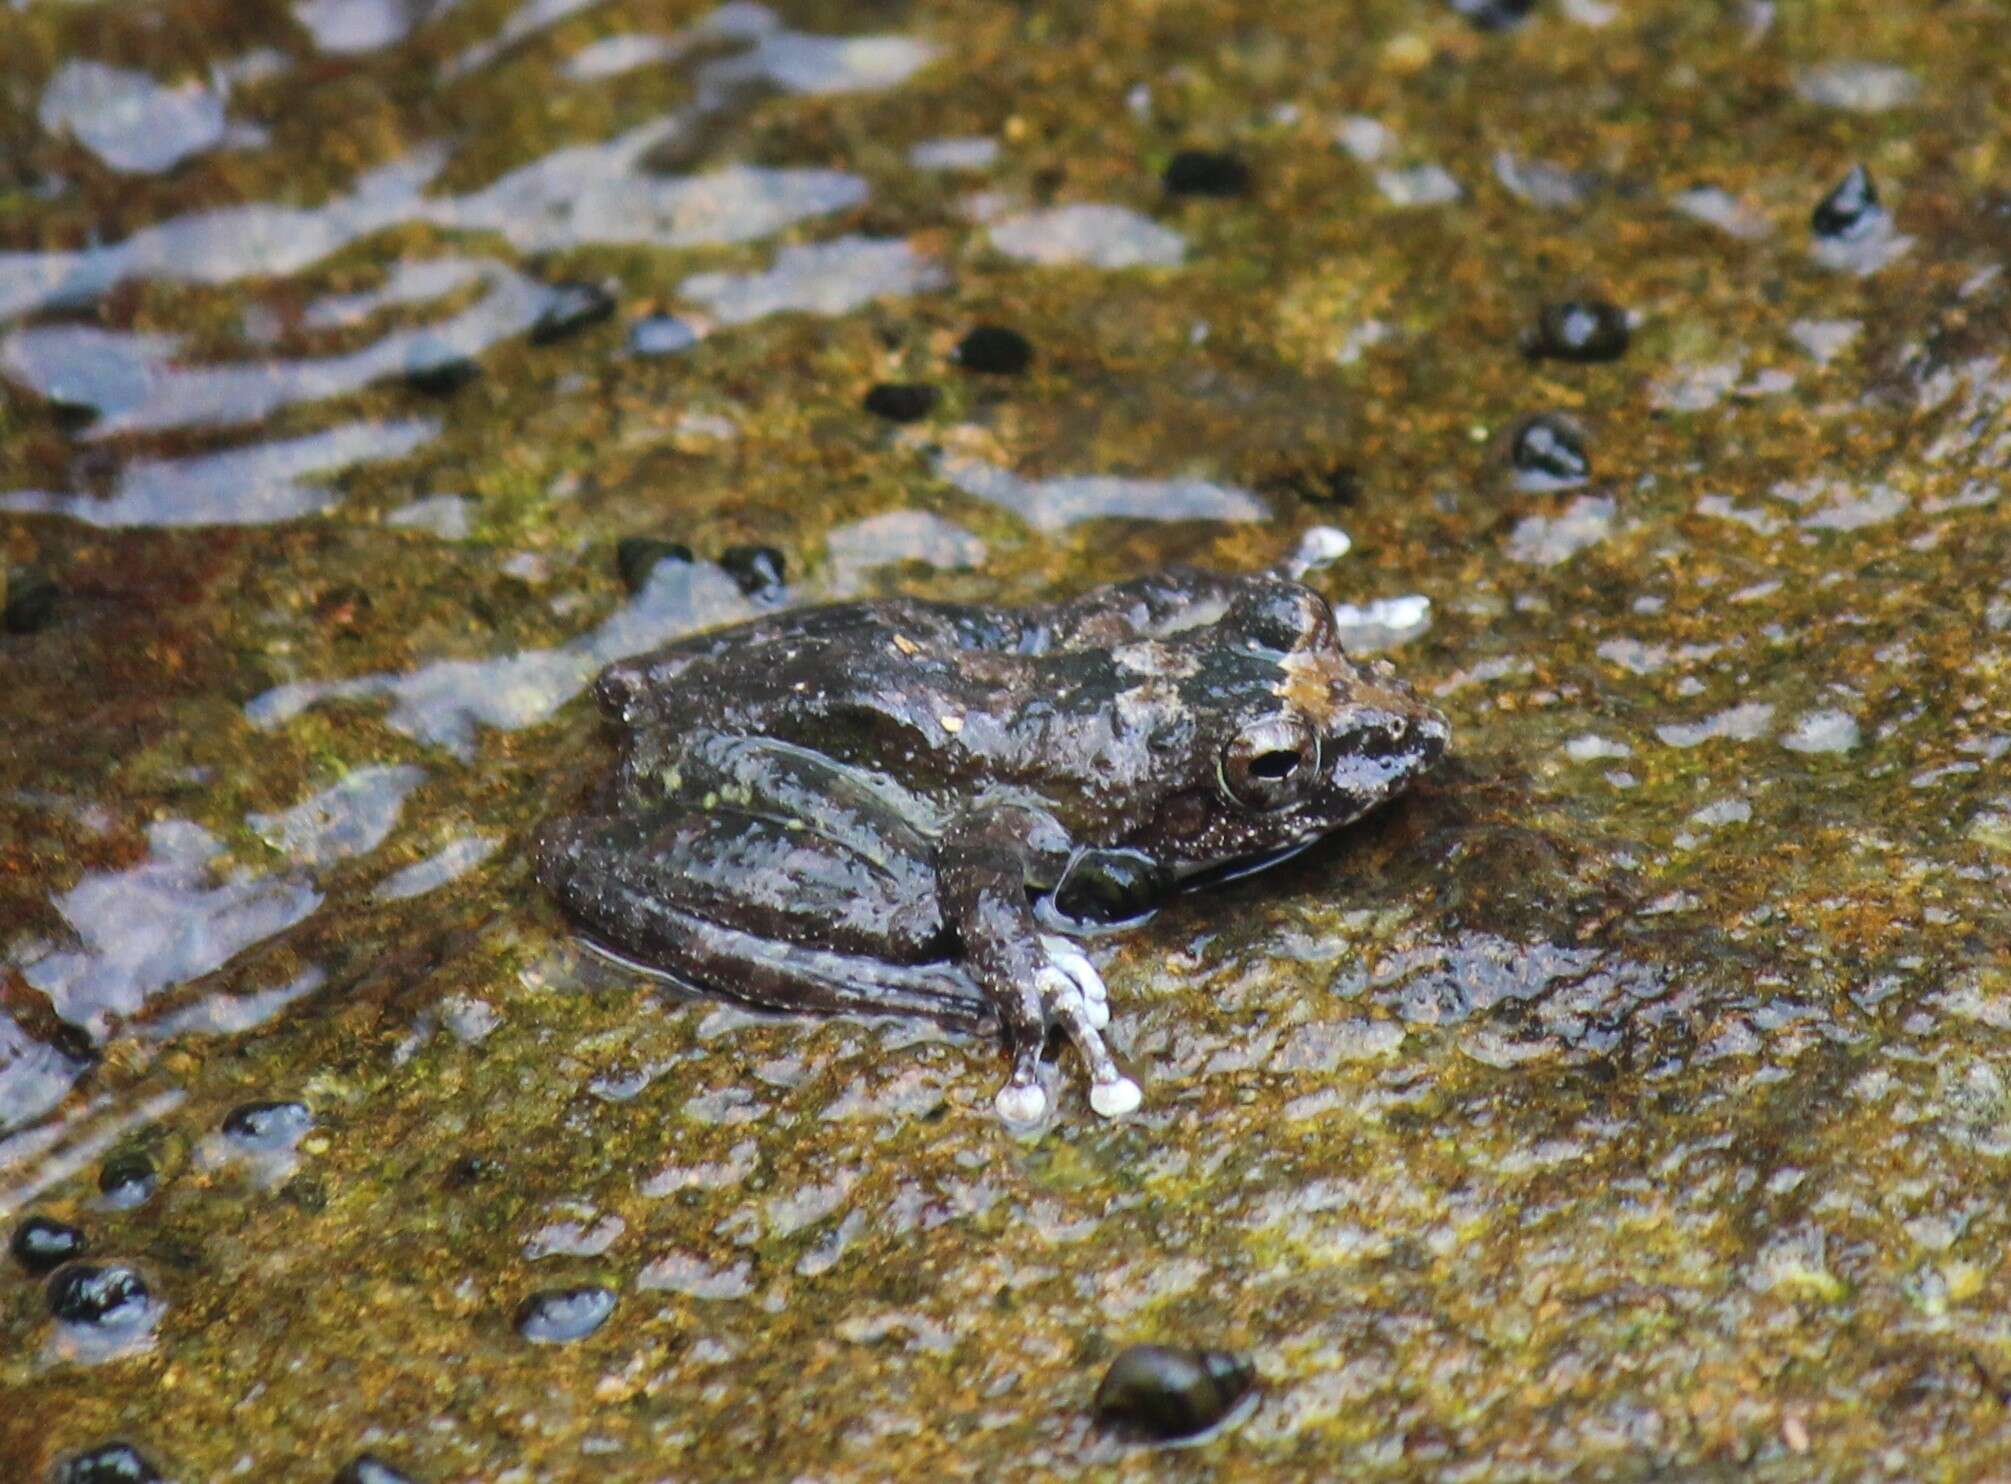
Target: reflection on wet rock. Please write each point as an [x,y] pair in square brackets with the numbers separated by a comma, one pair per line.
[108,1463]
[259,485]
[558,1316]
[661,335]
[130,121]
[445,701]
[449,863]
[349,818]
[1578,330]
[344,27]
[1094,235]
[995,350]
[42,1243]
[1055,504]
[817,278]
[158,924]
[1167,1393]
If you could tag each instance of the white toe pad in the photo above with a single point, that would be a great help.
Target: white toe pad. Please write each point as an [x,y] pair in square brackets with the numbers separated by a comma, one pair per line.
[1025,1103]
[1115,1099]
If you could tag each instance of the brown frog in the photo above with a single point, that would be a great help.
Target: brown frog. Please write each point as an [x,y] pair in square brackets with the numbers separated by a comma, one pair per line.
[892,806]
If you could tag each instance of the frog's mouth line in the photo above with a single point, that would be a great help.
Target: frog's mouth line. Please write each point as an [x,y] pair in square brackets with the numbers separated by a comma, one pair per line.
[1195,878]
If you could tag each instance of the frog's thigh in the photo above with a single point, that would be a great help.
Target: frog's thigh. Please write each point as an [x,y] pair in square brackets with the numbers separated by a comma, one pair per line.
[770,878]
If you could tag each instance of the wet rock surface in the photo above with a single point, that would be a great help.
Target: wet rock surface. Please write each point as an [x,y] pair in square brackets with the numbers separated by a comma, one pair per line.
[1633,1101]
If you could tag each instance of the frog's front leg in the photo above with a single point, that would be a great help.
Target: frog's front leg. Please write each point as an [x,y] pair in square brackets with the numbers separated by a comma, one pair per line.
[1036,980]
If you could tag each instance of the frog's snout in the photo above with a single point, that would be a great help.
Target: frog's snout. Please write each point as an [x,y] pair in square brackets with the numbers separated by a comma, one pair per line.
[1434,735]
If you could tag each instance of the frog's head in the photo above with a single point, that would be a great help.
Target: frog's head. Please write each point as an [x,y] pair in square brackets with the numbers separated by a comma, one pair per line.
[1285,737]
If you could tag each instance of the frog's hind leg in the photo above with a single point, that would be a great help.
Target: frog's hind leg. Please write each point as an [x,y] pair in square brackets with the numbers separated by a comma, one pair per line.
[784,976]
[825,928]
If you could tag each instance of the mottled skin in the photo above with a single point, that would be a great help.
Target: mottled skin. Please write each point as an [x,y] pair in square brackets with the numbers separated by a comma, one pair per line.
[859,807]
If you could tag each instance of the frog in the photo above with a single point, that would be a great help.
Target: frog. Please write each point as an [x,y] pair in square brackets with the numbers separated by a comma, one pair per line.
[882,806]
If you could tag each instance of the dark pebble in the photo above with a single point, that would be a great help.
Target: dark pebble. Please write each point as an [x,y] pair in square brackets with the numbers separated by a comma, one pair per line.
[30,601]
[1329,484]
[127,1180]
[42,1244]
[758,570]
[472,1169]
[1202,172]
[437,369]
[1850,210]
[559,1315]
[1107,887]
[572,307]
[1550,448]
[1579,330]
[1494,15]
[995,350]
[111,1296]
[635,557]
[72,417]
[368,1468]
[111,1463]
[902,401]
[661,335]
[1167,1393]
[267,1127]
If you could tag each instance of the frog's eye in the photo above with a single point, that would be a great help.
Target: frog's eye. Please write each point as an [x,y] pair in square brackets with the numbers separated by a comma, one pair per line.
[1271,764]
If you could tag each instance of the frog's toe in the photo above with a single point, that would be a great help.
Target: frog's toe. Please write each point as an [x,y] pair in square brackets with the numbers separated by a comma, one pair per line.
[1082,974]
[1023,1101]
[1111,1093]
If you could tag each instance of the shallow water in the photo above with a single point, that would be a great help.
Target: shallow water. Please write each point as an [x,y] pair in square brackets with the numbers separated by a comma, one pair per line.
[1632,1100]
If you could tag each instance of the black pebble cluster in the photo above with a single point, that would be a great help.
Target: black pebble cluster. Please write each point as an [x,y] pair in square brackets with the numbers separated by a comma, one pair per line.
[1850,210]
[127,1180]
[758,571]
[1201,172]
[1551,448]
[572,308]
[1165,1392]
[41,1244]
[31,602]
[902,401]
[109,1463]
[995,351]
[368,1468]
[1494,15]
[267,1125]
[636,558]
[437,369]
[1578,330]
[108,1296]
